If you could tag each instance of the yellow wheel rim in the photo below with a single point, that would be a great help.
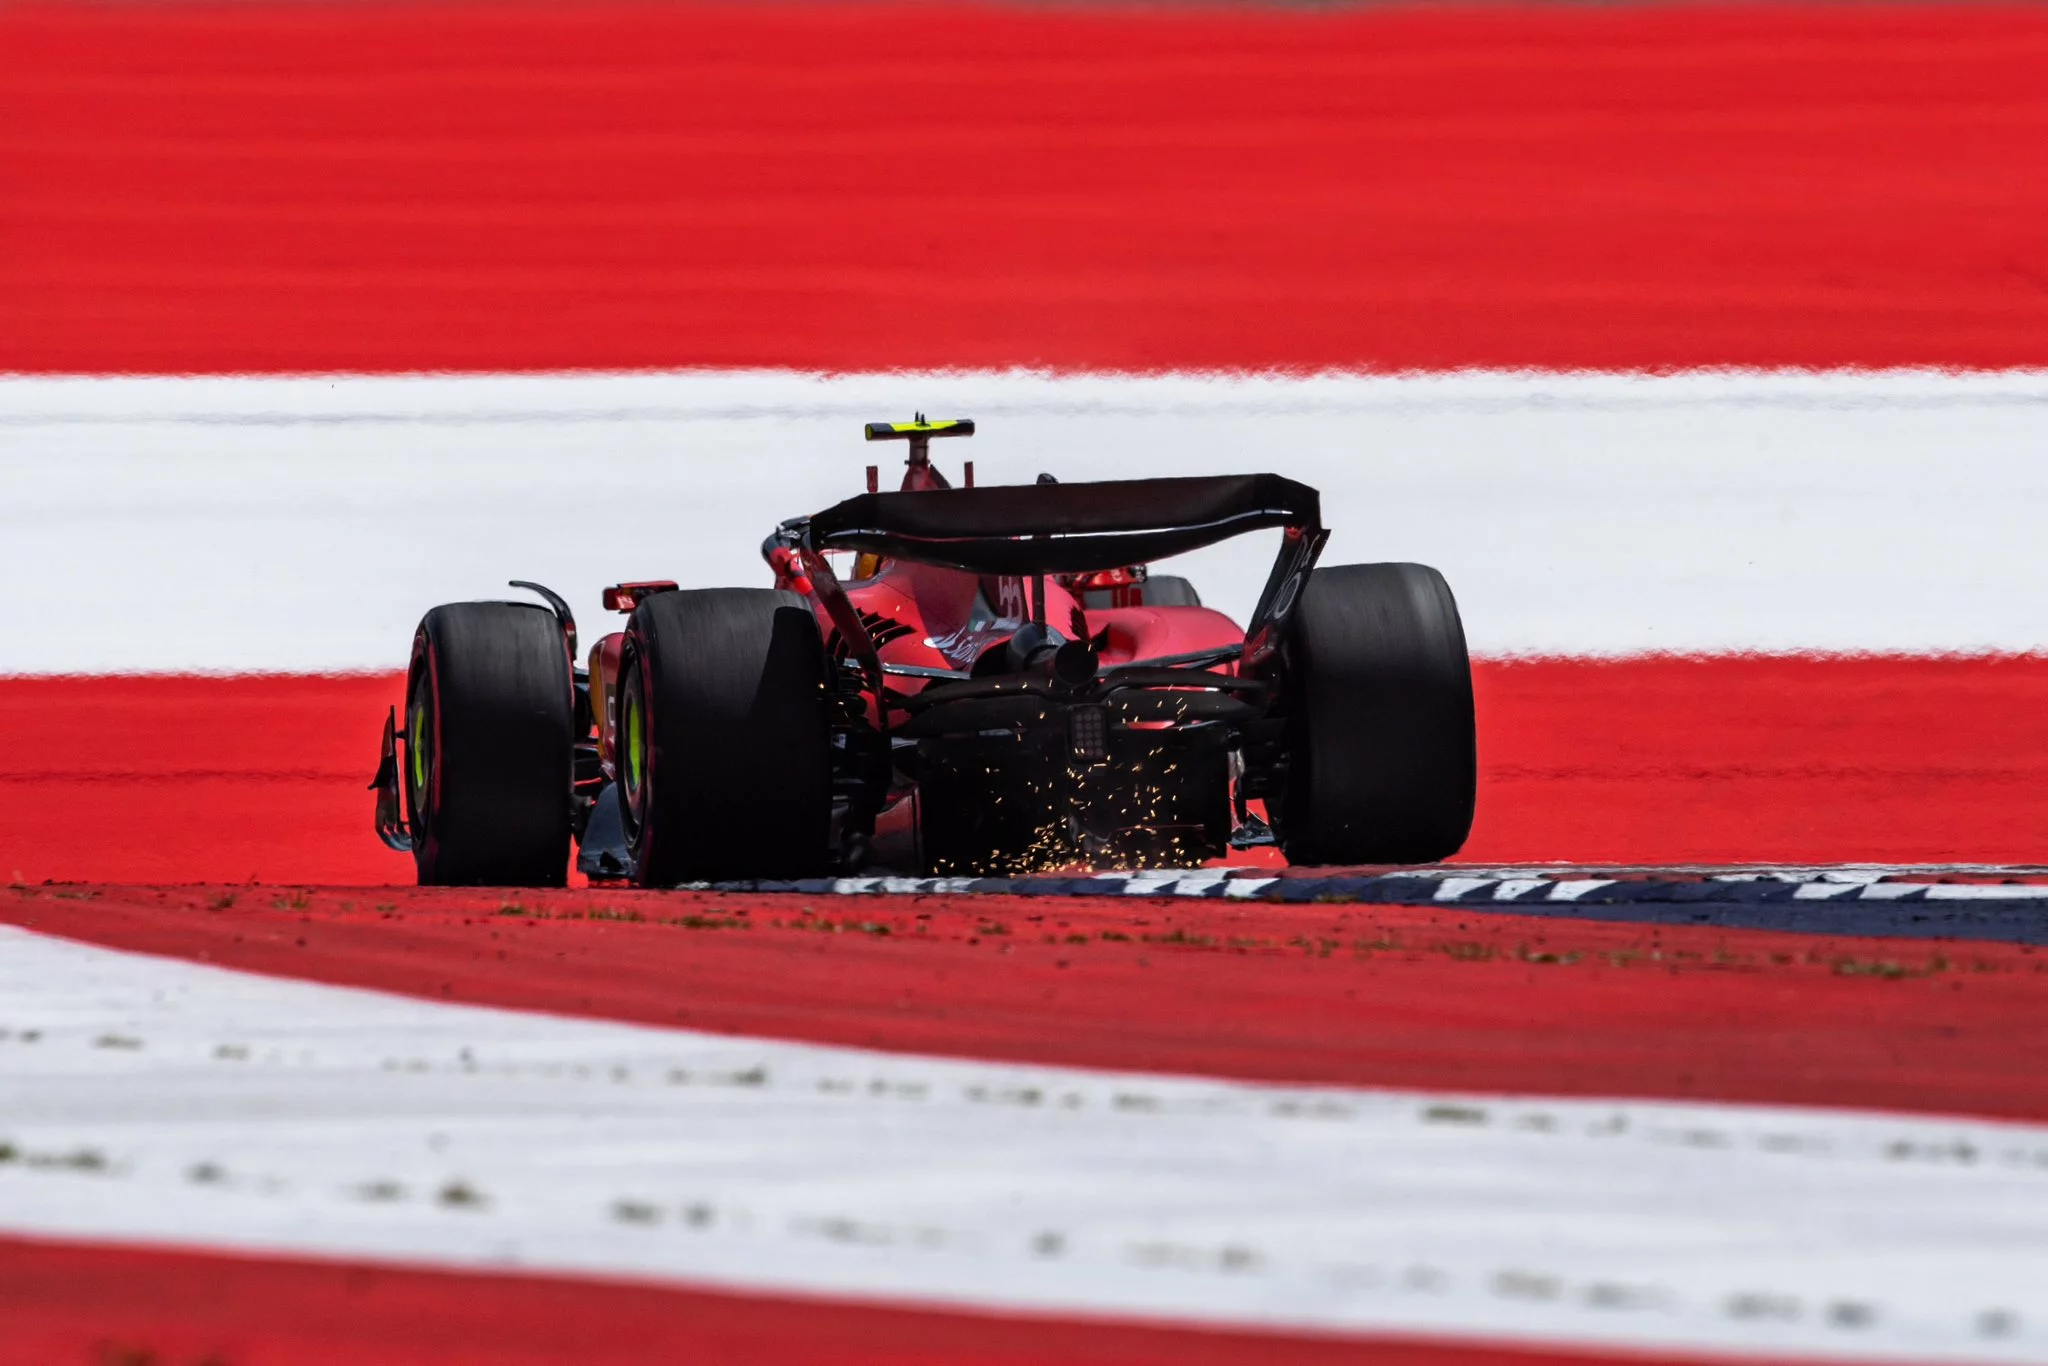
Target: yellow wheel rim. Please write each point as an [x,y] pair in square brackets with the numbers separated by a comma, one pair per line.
[635,743]
[415,734]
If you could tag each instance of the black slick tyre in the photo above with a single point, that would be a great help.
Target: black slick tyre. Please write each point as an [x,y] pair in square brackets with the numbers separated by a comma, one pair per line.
[490,711]
[1382,755]
[724,756]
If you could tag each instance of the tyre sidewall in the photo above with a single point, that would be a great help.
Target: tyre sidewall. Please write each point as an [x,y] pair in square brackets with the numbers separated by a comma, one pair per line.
[499,708]
[736,776]
[1382,759]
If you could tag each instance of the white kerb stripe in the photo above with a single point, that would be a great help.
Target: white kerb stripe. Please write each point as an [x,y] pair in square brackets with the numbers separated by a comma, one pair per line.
[1572,513]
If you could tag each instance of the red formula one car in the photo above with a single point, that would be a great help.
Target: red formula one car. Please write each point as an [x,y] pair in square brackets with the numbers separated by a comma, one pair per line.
[948,680]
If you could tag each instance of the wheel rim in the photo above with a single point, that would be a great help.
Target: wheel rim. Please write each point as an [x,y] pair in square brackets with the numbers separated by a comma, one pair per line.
[417,726]
[419,746]
[633,746]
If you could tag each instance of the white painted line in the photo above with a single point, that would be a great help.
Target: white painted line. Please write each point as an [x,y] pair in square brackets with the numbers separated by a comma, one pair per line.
[152,1099]
[1767,511]
[1571,889]
[1894,891]
[1980,891]
[1156,881]
[1451,888]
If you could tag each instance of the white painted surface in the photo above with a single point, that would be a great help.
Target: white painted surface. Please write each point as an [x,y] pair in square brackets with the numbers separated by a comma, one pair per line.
[151,1099]
[302,524]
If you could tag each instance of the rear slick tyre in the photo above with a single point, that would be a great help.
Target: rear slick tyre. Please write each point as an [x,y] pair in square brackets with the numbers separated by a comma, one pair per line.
[1382,754]
[490,709]
[724,752]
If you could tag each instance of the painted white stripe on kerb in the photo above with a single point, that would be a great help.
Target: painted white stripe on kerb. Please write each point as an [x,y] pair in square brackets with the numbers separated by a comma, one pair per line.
[153,1099]
[1232,883]
[305,524]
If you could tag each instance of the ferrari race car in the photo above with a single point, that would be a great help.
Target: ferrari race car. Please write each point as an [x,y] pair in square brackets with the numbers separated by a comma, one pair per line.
[972,681]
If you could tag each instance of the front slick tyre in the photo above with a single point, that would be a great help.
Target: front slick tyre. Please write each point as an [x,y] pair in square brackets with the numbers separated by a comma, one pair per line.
[490,708]
[1382,758]
[724,753]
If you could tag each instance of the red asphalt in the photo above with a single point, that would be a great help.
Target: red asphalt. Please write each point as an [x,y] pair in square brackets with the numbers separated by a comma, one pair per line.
[262,186]
[1650,760]
[190,1309]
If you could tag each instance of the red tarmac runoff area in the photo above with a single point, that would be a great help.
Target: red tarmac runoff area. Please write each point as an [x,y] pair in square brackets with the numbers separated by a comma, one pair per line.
[1717,759]
[265,187]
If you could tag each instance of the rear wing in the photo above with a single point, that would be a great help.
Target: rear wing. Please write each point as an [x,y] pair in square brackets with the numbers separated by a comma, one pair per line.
[1040,529]
[1064,528]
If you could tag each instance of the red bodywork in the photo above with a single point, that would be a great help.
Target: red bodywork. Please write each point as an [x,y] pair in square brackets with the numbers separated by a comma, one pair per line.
[925,616]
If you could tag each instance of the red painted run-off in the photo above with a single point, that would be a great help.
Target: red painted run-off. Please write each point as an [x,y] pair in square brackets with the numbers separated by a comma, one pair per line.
[189,1309]
[377,187]
[1720,759]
